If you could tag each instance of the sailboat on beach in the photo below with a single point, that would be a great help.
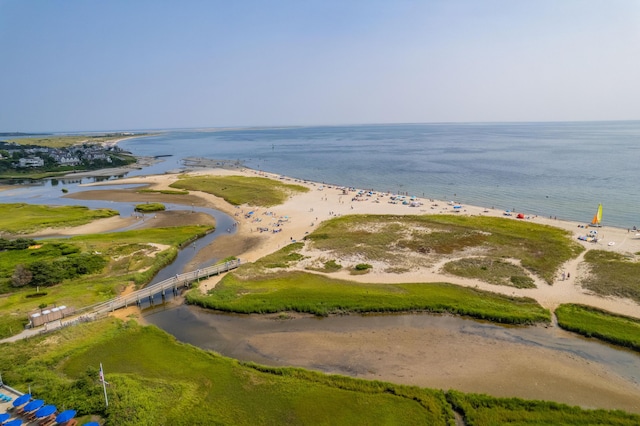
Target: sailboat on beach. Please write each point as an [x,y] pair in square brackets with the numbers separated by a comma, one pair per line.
[597,218]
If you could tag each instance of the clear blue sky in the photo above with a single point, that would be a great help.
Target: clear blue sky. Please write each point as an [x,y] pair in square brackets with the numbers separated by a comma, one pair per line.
[72,65]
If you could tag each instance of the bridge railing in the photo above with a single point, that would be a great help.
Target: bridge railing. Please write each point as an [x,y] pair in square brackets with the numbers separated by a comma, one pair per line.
[171,284]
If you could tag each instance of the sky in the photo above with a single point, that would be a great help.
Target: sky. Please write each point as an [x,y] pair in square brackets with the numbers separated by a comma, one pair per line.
[89,65]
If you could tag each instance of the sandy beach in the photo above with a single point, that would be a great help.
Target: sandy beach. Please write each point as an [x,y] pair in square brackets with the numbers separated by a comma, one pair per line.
[304,212]
[399,355]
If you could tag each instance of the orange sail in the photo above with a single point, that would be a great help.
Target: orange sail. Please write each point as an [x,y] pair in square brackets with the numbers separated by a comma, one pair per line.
[597,218]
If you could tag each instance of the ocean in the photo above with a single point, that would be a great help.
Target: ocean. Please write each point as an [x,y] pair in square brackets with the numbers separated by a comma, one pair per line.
[562,170]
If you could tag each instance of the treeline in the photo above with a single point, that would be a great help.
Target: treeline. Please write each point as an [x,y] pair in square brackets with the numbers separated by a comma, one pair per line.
[47,272]
[17,244]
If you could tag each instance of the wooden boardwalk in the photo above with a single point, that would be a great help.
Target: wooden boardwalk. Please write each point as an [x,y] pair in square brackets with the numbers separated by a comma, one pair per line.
[171,285]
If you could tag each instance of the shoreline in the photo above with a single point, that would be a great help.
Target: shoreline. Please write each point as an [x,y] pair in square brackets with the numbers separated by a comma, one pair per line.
[304,212]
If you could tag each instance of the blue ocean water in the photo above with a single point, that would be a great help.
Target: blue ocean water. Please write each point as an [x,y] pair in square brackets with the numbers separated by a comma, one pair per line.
[550,169]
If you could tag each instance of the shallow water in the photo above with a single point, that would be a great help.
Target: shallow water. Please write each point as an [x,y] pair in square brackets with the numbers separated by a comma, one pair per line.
[424,350]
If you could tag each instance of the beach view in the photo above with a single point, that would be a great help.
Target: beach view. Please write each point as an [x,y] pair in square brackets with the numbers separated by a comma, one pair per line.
[233,249]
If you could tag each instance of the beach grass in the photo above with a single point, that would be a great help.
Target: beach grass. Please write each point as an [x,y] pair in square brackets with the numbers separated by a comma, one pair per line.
[491,270]
[487,410]
[21,218]
[321,295]
[612,274]
[539,248]
[131,259]
[607,326]
[237,190]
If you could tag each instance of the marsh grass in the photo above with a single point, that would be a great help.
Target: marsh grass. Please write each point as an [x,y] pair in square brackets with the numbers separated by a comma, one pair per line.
[487,410]
[612,274]
[150,207]
[494,271]
[162,191]
[322,295]
[159,381]
[541,249]
[237,190]
[607,326]
[21,218]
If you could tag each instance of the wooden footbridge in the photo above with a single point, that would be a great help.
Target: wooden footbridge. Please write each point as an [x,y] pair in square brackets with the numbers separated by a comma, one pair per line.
[171,285]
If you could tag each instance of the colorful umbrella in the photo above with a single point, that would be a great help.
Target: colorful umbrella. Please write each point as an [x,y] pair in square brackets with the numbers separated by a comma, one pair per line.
[45,411]
[14,422]
[22,399]
[4,417]
[33,405]
[65,416]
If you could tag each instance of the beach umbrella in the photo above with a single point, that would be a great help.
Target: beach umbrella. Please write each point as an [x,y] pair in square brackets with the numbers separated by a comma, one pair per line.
[4,417]
[22,399]
[45,411]
[33,405]
[91,424]
[65,416]
[14,422]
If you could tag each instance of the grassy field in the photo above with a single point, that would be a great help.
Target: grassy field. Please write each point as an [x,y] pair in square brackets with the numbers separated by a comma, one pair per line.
[591,322]
[131,259]
[237,190]
[158,381]
[322,295]
[540,249]
[612,274]
[21,218]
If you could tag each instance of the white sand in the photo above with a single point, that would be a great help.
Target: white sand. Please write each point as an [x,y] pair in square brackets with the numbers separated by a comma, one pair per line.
[305,211]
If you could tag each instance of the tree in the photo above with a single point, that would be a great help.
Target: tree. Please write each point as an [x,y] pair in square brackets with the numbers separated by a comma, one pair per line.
[46,274]
[21,276]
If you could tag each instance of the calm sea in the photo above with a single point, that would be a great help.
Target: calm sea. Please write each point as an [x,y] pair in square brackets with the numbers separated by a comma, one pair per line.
[551,169]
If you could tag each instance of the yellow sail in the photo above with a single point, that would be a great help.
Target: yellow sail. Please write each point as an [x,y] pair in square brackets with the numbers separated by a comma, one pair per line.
[597,218]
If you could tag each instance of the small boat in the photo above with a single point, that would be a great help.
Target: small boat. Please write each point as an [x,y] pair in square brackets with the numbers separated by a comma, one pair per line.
[597,218]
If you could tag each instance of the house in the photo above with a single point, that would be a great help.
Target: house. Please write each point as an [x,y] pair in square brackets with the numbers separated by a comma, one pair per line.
[31,162]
